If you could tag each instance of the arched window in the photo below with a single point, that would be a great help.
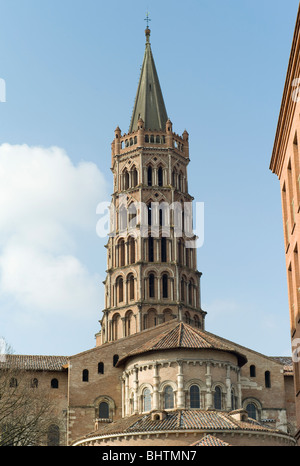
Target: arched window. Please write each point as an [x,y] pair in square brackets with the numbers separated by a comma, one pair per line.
[131,242]
[126,180]
[122,218]
[194,396]
[53,436]
[115,326]
[134,177]
[54,383]
[182,289]
[115,359]
[218,398]
[168,397]
[165,285]
[151,318]
[187,317]
[146,400]
[103,410]
[191,288]
[160,176]
[163,249]
[267,379]
[149,209]
[251,410]
[100,368]
[252,371]
[197,322]
[149,176]
[121,252]
[151,286]
[150,249]
[128,322]
[131,287]
[120,289]
[85,375]
[34,383]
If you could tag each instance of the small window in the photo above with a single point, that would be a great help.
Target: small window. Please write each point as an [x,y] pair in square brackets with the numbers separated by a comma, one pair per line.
[146,400]
[13,383]
[54,383]
[103,410]
[85,375]
[34,383]
[267,379]
[115,360]
[252,371]
[251,410]
[165,285]
[218,398]
[169,397]
[100,368]
[194,396]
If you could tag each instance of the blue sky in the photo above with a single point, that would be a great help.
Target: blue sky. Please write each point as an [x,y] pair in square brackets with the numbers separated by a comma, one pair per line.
[71,70]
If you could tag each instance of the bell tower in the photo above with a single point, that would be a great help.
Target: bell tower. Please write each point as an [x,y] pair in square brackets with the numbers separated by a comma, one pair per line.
[152,272]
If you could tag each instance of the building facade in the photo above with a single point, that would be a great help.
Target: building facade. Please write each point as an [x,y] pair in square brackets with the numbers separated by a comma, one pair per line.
[285,164]
[156,376]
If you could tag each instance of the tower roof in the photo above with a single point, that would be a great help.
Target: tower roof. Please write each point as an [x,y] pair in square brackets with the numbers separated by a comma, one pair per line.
[149,103]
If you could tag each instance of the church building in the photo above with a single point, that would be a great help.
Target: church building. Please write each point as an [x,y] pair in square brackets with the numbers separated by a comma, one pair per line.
[156,377]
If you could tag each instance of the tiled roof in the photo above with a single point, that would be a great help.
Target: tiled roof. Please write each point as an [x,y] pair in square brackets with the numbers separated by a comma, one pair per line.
[183,336]
[180,420]
[210,441]
[34,363]
[287,363]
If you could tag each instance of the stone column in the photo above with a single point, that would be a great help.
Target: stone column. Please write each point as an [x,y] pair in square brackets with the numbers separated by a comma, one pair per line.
[239,384]
[127,400]
[209,400]
[180,392]
[155,396]
[135,391]
[228,388]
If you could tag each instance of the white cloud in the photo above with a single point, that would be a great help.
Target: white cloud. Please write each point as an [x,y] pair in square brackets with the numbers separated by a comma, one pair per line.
[45,203]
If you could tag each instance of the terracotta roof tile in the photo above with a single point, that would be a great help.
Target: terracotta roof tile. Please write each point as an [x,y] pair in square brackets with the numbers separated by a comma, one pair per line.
[183,336]
[179,420]
[210,441]
[32,362]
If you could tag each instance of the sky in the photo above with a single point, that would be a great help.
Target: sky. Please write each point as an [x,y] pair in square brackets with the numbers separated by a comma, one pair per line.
[71,70]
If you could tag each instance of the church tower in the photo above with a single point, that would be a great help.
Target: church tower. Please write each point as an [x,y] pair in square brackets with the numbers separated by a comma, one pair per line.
[152,272]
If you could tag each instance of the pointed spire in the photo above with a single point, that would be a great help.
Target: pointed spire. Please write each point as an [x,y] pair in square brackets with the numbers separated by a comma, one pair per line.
[149,103]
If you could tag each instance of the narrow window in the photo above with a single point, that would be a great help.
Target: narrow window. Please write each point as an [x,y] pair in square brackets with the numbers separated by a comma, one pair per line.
[151,285]
[164,249]
[251,410]
[100,368]
[218,398]
[34,383]
[149,176]
[115,360]
[85,375]
[103,410]
[151,249]
[267,379]
[160,176]
[169,397]
[252,371]
[165,285]
[146,400]
[54,383]
[194,396]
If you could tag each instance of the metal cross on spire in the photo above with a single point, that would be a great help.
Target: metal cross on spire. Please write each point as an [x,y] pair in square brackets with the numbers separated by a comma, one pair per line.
[147,19]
